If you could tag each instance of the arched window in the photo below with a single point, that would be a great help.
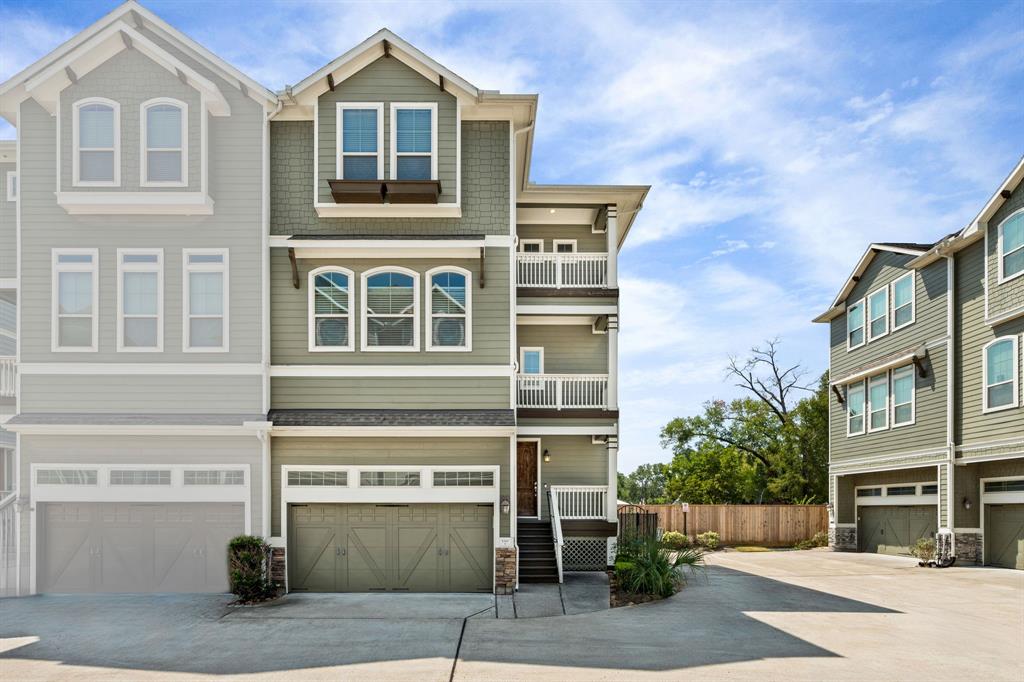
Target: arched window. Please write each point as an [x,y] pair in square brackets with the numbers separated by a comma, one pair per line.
[164,142]
[1001,372]
[450,301]
[330,309]
[390,310]
[96,129]
[1011,247]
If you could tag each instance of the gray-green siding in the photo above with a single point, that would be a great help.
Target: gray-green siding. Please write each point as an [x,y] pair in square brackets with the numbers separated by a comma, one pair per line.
[568,349]
[8,228]
[574,461]
[485,187]
[586,240]
[386,451]
[968,481]
[1003,298]
[399,393]
[387,81]
[845,508]
[289,311]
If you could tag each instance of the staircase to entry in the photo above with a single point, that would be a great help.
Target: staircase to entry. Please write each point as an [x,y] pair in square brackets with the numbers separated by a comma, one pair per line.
[536,552]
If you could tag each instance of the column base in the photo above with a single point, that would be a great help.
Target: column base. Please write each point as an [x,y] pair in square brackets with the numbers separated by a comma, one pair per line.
[969,549]
[505,570]
[842,538]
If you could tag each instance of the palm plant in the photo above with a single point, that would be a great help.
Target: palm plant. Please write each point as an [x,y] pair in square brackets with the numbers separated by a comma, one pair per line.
[646,568]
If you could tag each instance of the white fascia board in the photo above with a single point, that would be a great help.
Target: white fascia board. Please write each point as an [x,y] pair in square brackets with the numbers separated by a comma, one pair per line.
[995,202]
[589,310]
[8,283]
[325,210]
[141,369]
[391,371]
[1004,317]
[132,430]
[286,241]
[881,367]
[604,430]
[135,203]
[395,431]
[557,320]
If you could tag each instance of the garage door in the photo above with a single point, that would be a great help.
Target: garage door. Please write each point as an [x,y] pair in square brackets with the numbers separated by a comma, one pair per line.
[127,547]
[1004,535]
[894,529]
[409,548]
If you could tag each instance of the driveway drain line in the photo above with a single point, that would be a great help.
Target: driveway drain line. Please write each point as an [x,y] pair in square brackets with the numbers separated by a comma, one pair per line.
[462,633]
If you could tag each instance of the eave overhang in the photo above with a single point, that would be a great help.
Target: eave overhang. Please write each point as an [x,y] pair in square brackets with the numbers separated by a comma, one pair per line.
[838,306]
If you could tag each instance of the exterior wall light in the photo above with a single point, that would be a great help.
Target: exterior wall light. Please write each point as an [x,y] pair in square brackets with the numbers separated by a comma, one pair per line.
[547,456]
[506,506]
[966,503]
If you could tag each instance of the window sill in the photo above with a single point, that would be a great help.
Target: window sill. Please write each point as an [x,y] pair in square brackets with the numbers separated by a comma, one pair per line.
[135,203]
[388,210]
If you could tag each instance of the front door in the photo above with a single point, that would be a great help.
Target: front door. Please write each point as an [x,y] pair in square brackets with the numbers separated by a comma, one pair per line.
[526,479]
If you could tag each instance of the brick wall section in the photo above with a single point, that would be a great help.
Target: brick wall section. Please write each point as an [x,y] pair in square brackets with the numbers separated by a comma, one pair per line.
[277,567]
[968,549]
[504,570]
[485,187]
[842,539]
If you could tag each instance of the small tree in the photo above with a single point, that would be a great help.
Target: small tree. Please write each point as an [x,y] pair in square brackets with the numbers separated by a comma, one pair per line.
[249,569]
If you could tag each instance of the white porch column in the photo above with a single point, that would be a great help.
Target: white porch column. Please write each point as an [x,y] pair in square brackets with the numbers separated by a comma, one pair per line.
[613,362]
[613,478]
[612,235]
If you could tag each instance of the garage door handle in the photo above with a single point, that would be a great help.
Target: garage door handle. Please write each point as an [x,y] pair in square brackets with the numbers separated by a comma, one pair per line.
[441,551]
[338,551]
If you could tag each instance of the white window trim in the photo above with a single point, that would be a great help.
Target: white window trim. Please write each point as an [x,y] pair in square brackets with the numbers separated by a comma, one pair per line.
[75,157]
[864,325]
[523,350]
[999,248]
[1015,380]
[56,269]
[524,242]
[429,308]
[363,336]
[339,127]
[186,268]
[311,329]
[157,268]
[901,500]
[884,380]
[12,188]
[555,244]
[913,302]
[144,145]
[913,396]
[864,407]
[884,316]
[395,107]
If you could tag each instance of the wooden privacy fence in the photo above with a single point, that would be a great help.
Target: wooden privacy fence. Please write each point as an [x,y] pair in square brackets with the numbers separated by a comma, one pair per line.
[769,525]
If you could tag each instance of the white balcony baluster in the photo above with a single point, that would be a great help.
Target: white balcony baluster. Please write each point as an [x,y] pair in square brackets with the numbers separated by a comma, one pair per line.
[558,391]
[581,501]
[563,270]
[7,376]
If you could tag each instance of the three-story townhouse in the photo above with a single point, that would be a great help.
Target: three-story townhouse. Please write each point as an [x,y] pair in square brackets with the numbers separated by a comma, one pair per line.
[926,413]
[140,223]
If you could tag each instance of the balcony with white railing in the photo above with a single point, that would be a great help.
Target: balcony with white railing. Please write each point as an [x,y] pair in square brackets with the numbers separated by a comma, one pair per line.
[581,502]
[563,391]
[7,375]
[562,270]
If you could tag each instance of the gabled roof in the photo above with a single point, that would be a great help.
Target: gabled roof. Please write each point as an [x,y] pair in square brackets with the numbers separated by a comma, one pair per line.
[118,30]
[838,306]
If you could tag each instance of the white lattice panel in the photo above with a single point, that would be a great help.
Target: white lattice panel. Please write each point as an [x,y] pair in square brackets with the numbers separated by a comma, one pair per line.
[585,554]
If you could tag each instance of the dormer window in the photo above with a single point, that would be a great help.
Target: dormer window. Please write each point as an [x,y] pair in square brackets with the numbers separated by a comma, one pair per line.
[1011,247]
[164,143]
[414,141]
[360,141]
[97,137]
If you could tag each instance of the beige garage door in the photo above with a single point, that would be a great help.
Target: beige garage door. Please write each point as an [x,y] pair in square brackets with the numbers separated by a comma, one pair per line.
[378,548]
[127,547]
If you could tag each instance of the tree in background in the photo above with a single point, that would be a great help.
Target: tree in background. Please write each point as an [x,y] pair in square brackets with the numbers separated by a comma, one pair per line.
[769,446]
[646,485]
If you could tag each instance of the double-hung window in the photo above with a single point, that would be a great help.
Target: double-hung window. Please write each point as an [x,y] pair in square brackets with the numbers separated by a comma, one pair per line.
[75,300]
[878,402]
[164,143]
[1001,374]
[903,301]
[450,307]
[205,300]
[360,141]
[878,313]
[330,309]
[855,325]
[531,245]
[855,409]
[96,129]
[903,396]
[140,294]
[414,141]
[390,311]
[564,245]
[1011,246]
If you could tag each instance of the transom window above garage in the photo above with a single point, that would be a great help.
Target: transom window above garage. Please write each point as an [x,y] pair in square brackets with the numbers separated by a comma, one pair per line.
[318,479]
[140,477]
[869,492]
[66,477]
[1012,486]
[463,478]
[214,477]
[390,479]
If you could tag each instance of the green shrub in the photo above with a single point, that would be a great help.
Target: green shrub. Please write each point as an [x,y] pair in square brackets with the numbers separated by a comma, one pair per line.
[820,539]
[249,569]
[924,549]
[675,540]
[709,539]
[649,569]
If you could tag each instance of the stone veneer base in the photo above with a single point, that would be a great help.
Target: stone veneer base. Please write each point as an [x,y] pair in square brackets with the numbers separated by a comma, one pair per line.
[842,539]
[504,570]
[969,549]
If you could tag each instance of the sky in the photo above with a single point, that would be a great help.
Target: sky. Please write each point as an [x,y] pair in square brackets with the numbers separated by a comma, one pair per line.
[780,140]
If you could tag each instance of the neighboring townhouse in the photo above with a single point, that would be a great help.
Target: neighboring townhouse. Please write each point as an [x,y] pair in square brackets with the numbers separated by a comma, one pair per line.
[443,337]
[926,411]
[141,221]
[339,316]
[8,311]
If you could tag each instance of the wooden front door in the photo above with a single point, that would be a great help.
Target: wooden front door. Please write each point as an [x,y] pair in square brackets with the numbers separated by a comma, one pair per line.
[526,479]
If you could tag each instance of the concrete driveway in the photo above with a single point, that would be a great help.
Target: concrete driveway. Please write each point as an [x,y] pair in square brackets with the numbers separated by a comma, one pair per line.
[795,615]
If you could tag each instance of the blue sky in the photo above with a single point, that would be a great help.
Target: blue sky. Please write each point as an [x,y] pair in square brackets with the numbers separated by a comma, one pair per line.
[781,139]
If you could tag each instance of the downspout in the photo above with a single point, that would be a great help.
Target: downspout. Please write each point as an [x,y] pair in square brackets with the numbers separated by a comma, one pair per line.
[264,436]
[951,386]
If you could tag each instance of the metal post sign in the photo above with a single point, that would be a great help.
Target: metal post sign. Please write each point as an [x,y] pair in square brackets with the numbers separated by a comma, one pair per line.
[686,507]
